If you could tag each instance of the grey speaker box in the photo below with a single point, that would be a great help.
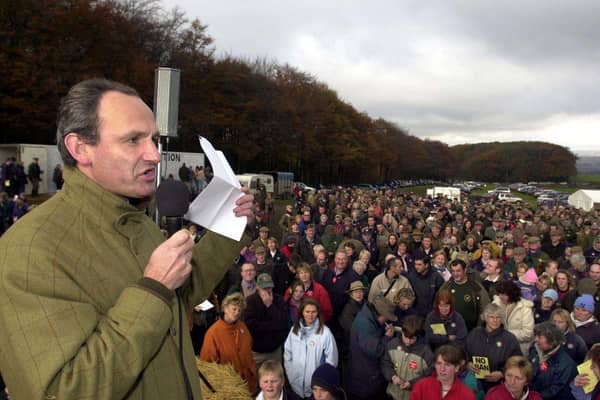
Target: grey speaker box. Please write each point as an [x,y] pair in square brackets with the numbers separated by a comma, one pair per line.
[166,100]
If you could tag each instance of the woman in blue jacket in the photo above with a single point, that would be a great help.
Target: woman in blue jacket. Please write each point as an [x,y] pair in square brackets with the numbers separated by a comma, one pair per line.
[308,345]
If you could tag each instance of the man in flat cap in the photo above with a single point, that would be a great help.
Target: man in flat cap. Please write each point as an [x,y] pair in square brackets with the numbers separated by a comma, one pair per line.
[263,235]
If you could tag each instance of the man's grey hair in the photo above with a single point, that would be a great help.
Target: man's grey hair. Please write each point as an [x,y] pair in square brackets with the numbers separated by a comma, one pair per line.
[493,309]
[78,112]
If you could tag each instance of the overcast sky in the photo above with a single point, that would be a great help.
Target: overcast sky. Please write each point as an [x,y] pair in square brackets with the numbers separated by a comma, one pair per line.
[455,71]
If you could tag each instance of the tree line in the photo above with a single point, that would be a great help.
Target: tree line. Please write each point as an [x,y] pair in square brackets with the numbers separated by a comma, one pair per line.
[264,115]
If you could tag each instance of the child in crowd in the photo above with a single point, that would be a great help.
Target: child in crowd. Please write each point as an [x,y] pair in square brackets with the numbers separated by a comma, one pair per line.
[406,360]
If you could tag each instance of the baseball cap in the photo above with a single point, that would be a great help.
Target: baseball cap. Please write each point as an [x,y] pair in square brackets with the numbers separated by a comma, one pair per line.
[264,281]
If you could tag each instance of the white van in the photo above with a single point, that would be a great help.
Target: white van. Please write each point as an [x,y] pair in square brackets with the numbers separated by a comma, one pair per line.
[252,181]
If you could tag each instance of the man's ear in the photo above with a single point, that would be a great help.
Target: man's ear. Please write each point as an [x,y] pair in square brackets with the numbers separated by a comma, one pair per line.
[78,149]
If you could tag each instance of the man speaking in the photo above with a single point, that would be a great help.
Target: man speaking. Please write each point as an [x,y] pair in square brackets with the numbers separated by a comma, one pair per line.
[87,281]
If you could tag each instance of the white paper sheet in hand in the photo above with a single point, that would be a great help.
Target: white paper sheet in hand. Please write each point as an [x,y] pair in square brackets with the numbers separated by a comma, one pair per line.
[213,207]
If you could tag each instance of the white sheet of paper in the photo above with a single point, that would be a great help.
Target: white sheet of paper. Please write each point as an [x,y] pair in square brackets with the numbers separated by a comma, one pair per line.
[213,207]
[205,305]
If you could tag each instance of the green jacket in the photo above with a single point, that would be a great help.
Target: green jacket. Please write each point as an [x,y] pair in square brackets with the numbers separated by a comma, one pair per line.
[78,318]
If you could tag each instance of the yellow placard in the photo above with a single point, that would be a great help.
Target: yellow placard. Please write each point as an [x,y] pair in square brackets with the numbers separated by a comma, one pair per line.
[483,364]
[586,368]
[438,329]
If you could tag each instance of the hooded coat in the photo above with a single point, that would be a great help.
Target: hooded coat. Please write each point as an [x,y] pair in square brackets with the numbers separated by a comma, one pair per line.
[519,321]
[304,352]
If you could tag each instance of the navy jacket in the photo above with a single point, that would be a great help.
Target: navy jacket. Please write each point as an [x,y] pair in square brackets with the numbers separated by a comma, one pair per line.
[552,377]
[368,345]
[425,288]
[337,286]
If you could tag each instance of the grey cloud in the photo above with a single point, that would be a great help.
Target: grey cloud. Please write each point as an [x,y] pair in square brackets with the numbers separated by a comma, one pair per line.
[442,68]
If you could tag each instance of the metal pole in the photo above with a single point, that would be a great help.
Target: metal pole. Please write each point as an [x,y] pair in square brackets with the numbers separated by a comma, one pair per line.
[158,178]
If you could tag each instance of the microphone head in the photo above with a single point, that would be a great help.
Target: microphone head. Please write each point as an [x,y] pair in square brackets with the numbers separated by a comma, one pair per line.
[172,198]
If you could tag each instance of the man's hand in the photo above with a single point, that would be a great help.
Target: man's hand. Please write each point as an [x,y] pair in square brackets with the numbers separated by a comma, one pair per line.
[473,368]
[389,330]
[266,296]
[396,380]
[245,206]
[169,263]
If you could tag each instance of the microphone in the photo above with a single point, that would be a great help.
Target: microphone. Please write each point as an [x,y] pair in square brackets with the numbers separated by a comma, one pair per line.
[172,200]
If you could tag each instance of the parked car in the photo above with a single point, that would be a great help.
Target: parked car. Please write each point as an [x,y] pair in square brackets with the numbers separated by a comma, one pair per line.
[305,188]
[508,198]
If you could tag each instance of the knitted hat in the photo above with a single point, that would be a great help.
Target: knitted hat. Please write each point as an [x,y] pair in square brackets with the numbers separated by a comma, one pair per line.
[551,293]
[585,301]
[530,276]
[327,377]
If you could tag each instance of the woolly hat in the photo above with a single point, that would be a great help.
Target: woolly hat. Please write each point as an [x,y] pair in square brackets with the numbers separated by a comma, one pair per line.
[327,377]
[585,301]
[551,293]
[530,276]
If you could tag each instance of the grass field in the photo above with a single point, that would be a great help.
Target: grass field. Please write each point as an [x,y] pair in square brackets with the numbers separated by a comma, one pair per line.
[593,179]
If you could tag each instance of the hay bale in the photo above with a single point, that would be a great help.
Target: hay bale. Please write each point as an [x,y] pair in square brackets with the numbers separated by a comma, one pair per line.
[224,379]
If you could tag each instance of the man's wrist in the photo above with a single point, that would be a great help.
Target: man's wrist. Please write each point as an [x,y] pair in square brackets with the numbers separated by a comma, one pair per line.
[160,290]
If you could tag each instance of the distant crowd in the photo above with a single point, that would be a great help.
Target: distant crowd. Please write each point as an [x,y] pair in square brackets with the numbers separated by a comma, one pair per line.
[412,297]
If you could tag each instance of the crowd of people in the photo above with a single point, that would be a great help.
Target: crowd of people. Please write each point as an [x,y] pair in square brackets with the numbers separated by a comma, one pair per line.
[410,297]
[13,199]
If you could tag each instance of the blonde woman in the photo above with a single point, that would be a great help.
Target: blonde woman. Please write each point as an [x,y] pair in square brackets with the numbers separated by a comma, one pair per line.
[228,341]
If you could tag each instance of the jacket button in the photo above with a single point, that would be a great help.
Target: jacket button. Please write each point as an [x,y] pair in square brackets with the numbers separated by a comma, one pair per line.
[173,331]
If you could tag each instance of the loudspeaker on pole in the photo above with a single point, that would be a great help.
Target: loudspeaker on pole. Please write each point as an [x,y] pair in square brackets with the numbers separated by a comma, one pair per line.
[166,100]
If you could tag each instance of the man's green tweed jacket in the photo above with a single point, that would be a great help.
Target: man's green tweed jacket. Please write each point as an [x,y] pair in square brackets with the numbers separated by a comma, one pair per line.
[78,320]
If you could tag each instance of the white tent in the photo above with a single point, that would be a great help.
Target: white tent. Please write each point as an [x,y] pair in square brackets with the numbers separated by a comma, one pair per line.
[585,199]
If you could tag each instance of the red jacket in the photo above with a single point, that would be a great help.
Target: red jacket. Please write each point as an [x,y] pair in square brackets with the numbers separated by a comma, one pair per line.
[500,392]
[319,293]
[431,389]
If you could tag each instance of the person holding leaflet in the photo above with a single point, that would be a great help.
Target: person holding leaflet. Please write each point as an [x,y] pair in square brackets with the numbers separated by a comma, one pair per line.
[88,281]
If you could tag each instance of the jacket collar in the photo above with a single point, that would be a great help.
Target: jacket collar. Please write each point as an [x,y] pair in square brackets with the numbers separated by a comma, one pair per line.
[105,209]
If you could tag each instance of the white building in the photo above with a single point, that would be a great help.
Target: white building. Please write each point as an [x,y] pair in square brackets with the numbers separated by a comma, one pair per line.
[585,199]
